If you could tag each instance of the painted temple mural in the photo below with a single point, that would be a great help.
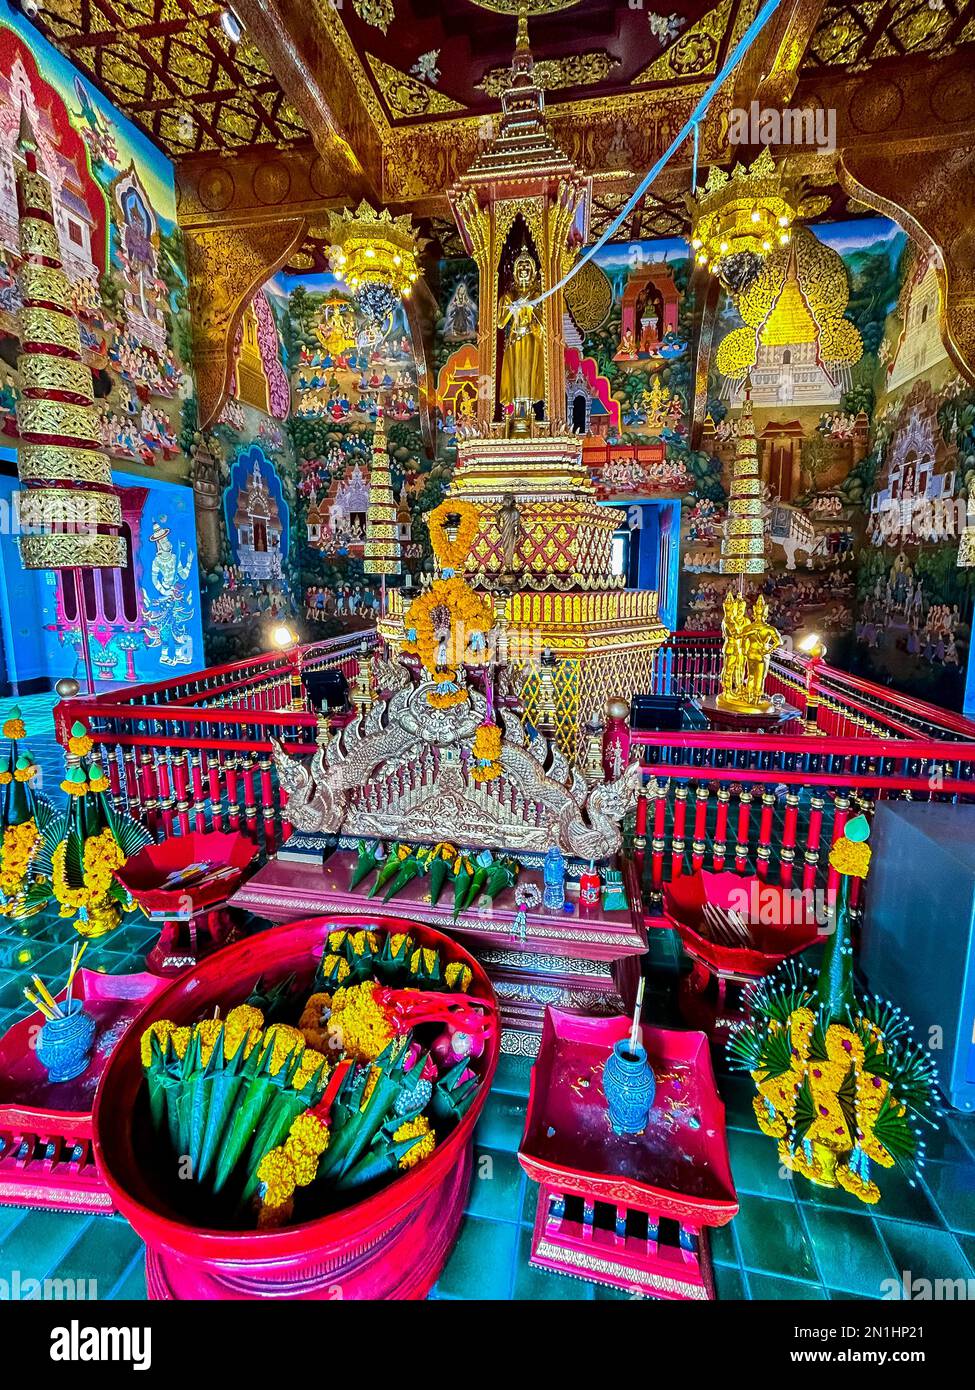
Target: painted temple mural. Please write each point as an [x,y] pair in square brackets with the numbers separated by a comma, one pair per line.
[115,212]
[115,217]
[866,435]
[293,450]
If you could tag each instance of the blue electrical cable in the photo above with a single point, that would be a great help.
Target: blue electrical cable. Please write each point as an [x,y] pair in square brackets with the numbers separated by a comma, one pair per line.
[700,110]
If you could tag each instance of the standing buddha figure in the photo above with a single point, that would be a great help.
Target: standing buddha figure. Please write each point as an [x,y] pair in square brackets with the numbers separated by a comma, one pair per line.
[523,367]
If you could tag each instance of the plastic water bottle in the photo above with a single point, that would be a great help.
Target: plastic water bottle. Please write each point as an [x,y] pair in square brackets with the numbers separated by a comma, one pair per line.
[553,895]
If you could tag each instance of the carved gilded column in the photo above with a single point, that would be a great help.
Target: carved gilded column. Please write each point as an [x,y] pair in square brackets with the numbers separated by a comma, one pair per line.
[227,265]
[931,193]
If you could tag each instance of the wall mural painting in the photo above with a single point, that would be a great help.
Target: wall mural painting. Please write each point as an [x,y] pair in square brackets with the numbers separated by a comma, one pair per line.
[115,211]
[143,620]
[807,333]
[295,441]
[628,370]
[914,605]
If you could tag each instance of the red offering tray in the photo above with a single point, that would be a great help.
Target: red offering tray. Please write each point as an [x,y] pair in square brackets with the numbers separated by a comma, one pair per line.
[46,1157]
[604,1195]
[189,910]
[782,922]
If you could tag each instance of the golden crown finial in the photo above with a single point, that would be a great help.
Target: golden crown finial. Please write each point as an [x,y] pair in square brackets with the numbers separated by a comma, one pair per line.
[521,43]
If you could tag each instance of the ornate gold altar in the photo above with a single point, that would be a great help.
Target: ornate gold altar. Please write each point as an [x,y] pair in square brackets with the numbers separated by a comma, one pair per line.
[542,546]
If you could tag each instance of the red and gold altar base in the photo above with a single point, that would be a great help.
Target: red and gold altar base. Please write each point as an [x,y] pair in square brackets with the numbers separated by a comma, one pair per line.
[391,1243]
[602,1195]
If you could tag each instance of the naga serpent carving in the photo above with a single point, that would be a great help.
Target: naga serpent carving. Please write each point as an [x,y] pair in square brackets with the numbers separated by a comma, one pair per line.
[374,778]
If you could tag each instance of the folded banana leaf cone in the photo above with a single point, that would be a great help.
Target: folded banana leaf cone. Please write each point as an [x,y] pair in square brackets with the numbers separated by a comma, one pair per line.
[442,860]
[410,869]
[389,867]
[368,859]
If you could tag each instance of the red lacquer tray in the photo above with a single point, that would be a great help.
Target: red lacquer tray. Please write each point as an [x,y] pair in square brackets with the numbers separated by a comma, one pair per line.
[782,921]
[678,1169]
[45,1129]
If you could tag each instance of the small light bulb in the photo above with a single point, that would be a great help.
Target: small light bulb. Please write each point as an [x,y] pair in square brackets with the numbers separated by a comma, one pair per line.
[783,222]
[724,246]
[766,246]
[756,216]
[370,252]
[697,242]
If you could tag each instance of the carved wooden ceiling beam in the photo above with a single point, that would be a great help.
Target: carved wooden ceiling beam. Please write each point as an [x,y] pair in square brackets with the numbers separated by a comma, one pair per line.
[770,70]
[303,58]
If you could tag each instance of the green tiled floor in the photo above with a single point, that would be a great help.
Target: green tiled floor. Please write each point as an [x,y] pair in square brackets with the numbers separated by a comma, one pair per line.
[790,1240]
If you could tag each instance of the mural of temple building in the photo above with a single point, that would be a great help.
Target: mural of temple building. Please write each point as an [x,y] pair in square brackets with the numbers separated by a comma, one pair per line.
[258,523]
[81,231]
[919,347]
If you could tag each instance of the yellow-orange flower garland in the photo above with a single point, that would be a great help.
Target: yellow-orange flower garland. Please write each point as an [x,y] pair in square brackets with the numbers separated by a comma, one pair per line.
[101,857]
[16,851]
[487,753]
[446,627]
[451,554]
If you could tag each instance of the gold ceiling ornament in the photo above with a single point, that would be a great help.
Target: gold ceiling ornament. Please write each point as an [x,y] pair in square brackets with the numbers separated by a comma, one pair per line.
[407,96]
[577,70]
[589,297]
[737,220]
[379,13]
[376,255]
[799,296]
[695,53]
[848,35]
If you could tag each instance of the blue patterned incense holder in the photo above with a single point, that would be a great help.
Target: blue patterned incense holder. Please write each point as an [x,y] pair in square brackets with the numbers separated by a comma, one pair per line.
[630,1087]
[64,1044]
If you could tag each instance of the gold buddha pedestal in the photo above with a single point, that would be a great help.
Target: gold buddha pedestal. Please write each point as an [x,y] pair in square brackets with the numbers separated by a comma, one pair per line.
[543,547]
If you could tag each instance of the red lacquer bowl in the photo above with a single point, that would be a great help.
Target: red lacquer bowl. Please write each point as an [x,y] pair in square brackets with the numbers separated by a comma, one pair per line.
[782,922]
[390,1245]
[144,874]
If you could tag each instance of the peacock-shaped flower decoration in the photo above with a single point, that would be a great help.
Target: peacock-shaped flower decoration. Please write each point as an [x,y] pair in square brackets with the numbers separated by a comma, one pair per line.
[841,1082]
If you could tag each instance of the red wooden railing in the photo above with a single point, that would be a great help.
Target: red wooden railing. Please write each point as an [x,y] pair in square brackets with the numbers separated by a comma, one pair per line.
[194,752]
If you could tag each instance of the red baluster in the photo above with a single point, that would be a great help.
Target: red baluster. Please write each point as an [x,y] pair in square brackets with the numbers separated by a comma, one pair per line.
[744,830]
[813,838]
[700,826]
[213,790]
[233,810]
[196,779]
[763,853]
[659,839]
[787,854]
[721,829]
[680,825]
[181,782]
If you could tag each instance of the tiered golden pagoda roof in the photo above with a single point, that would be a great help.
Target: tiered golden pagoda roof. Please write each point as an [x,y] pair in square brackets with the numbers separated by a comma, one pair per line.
[524,145]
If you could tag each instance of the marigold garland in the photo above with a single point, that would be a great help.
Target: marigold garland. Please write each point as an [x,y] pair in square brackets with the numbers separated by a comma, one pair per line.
[446,627]
[451,554]
[100,858]
[487,753]
[16,851]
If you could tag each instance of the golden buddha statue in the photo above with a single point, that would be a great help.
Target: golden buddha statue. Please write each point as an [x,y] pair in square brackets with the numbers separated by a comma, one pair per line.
[523,366]
[746,655]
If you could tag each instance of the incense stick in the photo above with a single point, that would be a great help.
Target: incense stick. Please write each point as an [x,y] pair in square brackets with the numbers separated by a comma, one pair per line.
[637,1010]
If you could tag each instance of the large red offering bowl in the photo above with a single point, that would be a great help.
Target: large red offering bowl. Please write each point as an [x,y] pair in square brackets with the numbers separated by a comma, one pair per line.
[393,1244]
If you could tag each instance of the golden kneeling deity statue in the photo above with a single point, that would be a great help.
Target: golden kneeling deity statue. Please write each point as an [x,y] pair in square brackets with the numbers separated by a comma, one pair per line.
[746,655]
[523,365]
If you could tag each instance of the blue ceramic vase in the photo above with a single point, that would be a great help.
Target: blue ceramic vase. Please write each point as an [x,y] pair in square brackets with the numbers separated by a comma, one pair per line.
[64,1044]
[630,1087]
